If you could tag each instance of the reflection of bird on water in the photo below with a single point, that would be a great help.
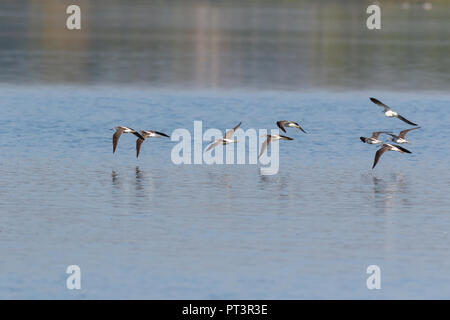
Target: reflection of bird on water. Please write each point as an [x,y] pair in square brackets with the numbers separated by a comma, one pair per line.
[388,191]
[114,177]
[139,179]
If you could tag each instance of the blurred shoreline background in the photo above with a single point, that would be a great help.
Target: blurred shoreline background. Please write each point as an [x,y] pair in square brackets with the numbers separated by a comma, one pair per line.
[288,45]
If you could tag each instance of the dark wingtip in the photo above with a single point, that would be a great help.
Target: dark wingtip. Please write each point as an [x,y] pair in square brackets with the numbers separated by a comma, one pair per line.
[376,101]
[162,134]
[407,121]
[362,139]
[286,137]
[403,149]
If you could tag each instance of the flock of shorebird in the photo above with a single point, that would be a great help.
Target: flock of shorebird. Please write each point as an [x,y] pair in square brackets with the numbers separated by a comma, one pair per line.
[283,124]
[227,138]
[400,138]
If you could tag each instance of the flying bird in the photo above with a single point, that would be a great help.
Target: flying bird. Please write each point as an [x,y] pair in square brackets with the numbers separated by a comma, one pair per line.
[269,139]
[284,123]
[401,136]
[388,147]
[374,138]
[226,138]
[388,112]
[118,133]
[147,134]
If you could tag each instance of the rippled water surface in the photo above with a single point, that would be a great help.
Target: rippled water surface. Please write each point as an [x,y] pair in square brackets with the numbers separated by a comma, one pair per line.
[148,228]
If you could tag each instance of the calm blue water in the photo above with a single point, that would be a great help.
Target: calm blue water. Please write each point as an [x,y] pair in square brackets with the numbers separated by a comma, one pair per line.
[149,229]
[146,228]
